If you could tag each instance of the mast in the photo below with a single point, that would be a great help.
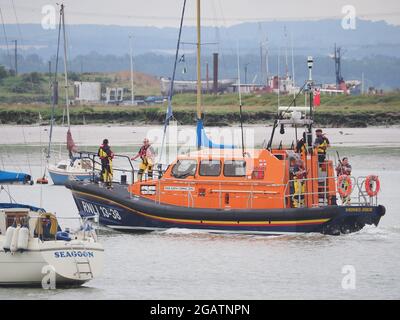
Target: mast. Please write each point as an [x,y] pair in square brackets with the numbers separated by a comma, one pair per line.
[65,65]
[240,100]
[54,88]
[198,62]
[130,47]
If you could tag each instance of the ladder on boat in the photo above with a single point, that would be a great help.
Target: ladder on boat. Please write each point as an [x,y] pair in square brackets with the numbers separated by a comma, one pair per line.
[82,267]
[322,188]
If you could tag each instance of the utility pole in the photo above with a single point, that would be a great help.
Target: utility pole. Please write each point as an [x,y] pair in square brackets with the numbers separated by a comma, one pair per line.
[130,47]
[245,72]
[362,83]
[15,56]
[207,78]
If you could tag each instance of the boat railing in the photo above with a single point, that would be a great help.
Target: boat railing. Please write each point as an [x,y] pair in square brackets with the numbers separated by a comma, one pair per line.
[96,166]
[284,192]
[123,170]
[357,197]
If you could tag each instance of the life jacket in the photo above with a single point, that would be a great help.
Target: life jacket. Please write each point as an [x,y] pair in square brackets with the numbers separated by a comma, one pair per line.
[299,172]
[343,169]
[301,147]
[322,144]
[105,153]
[143,152]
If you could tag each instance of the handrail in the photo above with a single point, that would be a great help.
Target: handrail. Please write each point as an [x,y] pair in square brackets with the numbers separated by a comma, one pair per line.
[221,187]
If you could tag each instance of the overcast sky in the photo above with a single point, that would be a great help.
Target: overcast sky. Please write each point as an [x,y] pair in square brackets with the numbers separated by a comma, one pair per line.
[163,13]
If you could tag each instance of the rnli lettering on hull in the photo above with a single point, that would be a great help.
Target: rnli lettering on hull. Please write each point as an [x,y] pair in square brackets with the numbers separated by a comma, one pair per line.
[98,210]
[73,254]
[176,188]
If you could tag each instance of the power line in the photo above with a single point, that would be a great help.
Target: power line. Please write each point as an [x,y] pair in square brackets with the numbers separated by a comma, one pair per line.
[16,19]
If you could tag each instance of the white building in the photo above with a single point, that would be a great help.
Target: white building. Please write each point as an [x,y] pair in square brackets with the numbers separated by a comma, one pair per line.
[87,91]
[114,95]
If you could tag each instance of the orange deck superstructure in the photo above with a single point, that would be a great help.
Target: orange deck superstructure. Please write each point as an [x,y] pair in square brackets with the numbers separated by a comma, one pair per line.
[259,180]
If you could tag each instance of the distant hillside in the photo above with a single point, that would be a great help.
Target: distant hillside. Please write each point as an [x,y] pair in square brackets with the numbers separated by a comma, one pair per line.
[316,37]
[34,87]
[373,49]
[379,71]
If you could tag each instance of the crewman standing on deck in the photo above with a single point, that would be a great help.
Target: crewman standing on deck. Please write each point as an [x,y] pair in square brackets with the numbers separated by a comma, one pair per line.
[106,156]
[299,174]
[146,153]
[301,146]
[322,144]
[344,167]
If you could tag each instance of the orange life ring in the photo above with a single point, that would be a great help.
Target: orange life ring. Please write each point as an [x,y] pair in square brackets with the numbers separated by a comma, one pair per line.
[368,185]
[344,191]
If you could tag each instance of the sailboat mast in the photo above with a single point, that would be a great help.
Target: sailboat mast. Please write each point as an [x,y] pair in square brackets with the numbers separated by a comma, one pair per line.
[198,62]
[65,66]
[131,54]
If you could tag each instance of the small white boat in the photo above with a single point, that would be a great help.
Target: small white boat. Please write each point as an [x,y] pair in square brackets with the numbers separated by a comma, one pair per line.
[76,169]
[34,251]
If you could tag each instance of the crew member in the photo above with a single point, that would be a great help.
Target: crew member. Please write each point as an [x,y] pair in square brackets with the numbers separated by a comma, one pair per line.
[106,156]
[301,146]
[146,153]
[322,144]
[299,174]
[344,167]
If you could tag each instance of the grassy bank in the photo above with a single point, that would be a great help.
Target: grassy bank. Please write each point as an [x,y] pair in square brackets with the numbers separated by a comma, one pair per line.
[357,111]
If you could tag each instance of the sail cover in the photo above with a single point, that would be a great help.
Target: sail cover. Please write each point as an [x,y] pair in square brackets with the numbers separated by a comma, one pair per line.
[204,141]
[71,146]
[19,205]
[14,177]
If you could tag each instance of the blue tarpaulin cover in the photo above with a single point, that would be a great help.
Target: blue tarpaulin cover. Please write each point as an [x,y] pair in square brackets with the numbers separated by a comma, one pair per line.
[14,177]
[204,141]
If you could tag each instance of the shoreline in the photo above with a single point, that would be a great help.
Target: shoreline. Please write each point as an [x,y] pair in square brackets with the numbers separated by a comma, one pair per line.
[336,114]
[128,135]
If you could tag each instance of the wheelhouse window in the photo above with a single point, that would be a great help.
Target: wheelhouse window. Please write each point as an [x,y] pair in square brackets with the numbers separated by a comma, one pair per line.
[210,168]
[184,168]
[234,168]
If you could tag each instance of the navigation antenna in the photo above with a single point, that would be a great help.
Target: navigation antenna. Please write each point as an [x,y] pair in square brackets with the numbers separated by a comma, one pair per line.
[240,101]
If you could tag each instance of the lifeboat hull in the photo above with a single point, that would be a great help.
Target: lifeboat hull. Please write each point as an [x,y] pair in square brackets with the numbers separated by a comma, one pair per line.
[119,210]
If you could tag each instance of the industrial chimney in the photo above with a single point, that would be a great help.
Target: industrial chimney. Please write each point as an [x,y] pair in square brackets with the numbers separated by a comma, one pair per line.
[215,79]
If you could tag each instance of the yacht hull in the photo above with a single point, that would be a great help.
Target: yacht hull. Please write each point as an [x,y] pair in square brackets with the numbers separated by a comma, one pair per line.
[69,263]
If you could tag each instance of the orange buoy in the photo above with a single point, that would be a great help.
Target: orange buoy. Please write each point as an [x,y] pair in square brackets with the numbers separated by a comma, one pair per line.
[344,185]
[42,180]
[371,191]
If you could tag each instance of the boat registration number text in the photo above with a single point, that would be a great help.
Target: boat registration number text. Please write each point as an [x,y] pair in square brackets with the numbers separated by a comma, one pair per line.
[100,210]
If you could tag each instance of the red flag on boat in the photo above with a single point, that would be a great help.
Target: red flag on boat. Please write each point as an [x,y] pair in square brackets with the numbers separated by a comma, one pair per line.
[71,146]
[317,98]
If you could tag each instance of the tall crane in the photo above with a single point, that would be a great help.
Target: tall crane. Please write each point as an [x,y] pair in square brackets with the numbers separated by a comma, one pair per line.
[337,57]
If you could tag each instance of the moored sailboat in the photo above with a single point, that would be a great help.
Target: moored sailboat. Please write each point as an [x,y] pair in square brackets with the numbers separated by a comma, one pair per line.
[74,167]
[35,251]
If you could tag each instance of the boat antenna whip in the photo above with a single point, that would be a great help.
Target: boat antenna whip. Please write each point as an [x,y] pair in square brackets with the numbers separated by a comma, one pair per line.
[293,102]
[171,89]
[240,100]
